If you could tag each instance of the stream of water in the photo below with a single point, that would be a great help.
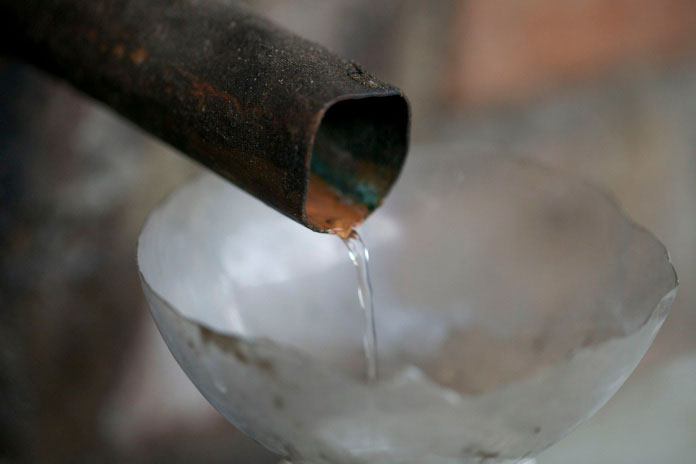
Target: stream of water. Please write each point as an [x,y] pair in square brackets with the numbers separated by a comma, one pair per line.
[357,251]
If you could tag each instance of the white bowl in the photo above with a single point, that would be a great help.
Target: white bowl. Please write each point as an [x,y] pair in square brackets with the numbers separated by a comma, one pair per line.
[511,301]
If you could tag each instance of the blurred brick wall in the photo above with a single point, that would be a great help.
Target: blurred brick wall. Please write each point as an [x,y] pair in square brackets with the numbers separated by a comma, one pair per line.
[506,50]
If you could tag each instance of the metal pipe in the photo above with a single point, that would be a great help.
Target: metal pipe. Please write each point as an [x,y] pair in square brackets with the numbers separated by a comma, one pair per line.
[312,135]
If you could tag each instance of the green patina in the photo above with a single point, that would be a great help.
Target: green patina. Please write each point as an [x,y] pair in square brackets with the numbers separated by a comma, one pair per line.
[345,183]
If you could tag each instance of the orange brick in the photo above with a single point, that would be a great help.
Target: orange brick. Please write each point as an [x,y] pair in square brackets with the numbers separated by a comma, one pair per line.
[509,49]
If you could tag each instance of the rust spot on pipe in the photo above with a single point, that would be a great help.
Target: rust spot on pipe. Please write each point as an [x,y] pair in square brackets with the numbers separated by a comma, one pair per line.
[202,90]
[119,50]
[328,210]
[139,56]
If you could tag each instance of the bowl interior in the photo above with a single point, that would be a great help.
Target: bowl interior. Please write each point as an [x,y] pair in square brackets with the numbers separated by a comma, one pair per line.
[511,303]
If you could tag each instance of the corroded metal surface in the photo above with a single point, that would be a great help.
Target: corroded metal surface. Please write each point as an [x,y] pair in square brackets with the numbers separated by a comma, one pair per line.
[231,90]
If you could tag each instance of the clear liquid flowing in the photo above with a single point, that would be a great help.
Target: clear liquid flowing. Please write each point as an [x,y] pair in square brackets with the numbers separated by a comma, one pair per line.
[357,251]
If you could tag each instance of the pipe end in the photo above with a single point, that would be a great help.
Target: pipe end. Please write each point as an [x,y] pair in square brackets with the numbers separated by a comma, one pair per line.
[359,149]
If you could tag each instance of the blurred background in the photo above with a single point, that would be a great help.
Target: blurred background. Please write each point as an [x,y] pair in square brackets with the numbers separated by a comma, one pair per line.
[605,89]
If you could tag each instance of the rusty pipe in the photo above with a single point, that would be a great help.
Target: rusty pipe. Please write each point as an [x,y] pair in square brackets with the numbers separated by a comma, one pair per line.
[310,134]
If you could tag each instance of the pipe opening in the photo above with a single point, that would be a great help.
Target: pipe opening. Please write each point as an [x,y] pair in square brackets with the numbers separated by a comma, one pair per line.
[357,155]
